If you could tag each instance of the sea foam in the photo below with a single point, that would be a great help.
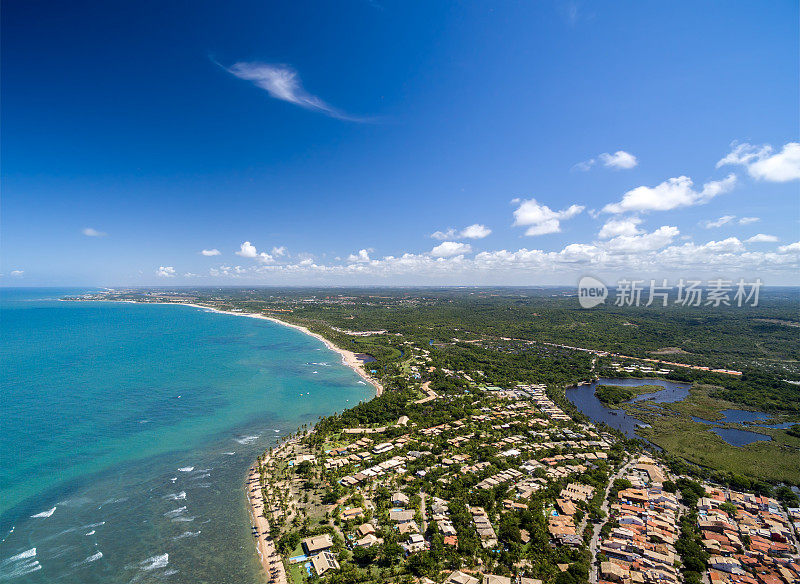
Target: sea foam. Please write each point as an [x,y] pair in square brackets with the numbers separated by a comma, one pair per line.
[19,565]
[155,562]
[89,560]
[44,514]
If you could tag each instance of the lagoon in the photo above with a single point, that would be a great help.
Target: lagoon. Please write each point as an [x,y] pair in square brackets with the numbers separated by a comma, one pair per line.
[584,399]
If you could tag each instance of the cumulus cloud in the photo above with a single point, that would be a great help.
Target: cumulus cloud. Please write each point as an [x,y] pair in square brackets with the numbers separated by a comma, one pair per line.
[762,238]
[644,254]
[670,194]
[211,252]
[283,82]
[619,160]
[474,231]
[91,232]
[165,272]
[248,250]
[659,238]
[361,256]
[616,227]
[762,163]
[541,219]
[448,249]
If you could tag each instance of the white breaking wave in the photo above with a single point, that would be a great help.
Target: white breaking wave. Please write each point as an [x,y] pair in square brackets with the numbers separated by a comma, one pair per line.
[246,439]
[186,469]
[182,519]
[229,453]
[92,532]
[203,476]
[89,560]
[19,565]
[154,563]
[186,534]
[175,512]
[44,514]
[177,496]
[362,383]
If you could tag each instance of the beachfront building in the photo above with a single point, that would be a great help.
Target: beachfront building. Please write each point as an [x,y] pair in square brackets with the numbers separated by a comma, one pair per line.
[318,543]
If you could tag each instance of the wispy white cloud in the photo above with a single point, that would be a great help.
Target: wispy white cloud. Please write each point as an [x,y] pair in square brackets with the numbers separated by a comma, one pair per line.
[748,220]
[729,219]
[211,252]
[92,232]
[619,160]
[17,273]
[279,251]
[283,82]
[763,163]
[541,219]
[670,194]
[762,238]
[474,231]
[713,224]
[165,272]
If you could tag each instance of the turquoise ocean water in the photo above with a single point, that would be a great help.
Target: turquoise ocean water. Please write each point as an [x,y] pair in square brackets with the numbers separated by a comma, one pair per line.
[126,431]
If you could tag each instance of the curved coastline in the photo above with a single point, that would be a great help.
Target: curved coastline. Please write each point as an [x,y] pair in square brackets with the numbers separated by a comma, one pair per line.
[268,555]
[349,358]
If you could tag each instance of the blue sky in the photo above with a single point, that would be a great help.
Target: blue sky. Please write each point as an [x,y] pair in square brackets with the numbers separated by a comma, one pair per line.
[328,142]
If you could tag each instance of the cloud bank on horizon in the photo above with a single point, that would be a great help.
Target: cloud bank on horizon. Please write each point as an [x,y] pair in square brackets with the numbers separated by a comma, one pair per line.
[621,244]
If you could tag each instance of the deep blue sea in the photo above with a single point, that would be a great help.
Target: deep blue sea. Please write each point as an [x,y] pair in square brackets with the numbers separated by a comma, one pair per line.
[126,431]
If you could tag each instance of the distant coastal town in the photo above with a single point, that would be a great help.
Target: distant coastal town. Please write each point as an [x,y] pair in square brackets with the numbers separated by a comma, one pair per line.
[472,466]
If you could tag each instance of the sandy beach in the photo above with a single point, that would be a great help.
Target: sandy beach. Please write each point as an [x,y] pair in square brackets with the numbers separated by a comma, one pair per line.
[270,559]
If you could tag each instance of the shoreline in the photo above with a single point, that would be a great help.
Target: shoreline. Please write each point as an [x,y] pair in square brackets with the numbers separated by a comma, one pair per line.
[271,561]
[349,358]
